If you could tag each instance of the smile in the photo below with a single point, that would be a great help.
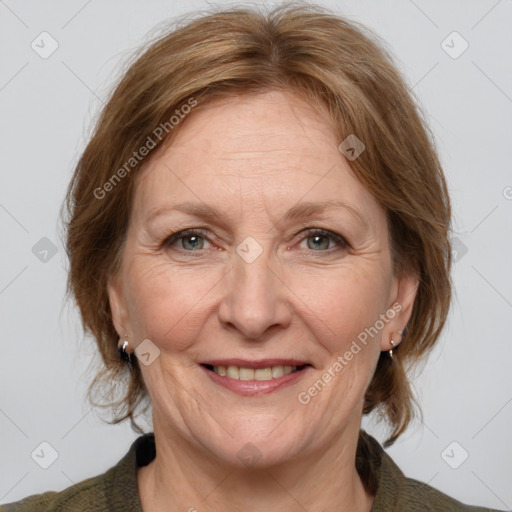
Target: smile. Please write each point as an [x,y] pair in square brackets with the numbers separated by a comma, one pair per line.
[240,373]
[255,381]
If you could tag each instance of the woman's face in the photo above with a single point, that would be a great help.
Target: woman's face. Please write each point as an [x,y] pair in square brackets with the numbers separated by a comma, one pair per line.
[253,283]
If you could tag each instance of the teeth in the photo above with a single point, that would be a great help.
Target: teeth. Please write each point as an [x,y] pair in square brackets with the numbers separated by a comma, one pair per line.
[246,374]
[277,371]
[269,373]
[263,374]
[233,372]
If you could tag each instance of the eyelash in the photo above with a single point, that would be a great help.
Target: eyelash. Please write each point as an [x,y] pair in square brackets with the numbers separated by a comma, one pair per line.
[308,233]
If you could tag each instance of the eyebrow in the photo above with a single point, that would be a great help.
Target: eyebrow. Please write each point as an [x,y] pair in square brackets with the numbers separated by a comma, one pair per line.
[195,209]
[308,209]
[301,210]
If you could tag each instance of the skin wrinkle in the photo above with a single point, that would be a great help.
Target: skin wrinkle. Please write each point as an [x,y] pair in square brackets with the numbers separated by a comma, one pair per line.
[290,302]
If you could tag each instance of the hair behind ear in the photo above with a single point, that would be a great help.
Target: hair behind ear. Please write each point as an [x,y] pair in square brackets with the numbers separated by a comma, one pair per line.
[390,393]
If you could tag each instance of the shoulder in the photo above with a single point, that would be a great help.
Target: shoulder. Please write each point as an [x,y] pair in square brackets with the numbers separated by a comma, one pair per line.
[419,496]
[112,491]
[86,495]
[394,491]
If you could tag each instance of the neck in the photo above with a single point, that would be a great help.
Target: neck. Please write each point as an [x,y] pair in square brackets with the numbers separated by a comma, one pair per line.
[182,477]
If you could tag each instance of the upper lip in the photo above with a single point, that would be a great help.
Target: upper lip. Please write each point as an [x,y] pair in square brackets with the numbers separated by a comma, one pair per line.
[260,363]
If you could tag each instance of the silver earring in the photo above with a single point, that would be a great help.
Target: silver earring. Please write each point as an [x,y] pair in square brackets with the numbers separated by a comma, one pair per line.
[391,351]
[121,346]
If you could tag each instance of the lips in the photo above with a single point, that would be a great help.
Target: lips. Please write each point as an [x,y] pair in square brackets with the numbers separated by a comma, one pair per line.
[249,377]
[254,378]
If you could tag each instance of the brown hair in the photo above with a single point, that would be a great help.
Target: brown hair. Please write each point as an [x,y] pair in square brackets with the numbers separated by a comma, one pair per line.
[300,48]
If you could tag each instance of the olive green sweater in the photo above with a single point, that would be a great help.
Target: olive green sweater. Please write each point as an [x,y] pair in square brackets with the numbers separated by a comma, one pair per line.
[116,489]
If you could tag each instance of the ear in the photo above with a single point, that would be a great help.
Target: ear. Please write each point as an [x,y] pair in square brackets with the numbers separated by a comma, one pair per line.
[404,291]
[118,307]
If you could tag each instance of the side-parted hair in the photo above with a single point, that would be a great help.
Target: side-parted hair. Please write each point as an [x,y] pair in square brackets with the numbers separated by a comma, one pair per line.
[331,62]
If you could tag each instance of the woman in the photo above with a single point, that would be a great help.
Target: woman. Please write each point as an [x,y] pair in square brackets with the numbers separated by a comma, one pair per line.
[258,241]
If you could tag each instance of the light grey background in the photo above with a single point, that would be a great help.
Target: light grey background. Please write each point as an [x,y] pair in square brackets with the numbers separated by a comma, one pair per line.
[46,110]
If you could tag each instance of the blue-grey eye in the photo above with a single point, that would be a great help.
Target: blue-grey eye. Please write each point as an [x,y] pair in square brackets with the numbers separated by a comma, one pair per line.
[192,242]
[320,242]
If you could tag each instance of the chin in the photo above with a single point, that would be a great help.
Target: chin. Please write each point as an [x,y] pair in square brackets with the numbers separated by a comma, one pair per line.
[256,442]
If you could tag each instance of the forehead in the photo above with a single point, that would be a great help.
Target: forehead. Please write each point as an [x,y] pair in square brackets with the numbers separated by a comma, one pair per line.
[267,150]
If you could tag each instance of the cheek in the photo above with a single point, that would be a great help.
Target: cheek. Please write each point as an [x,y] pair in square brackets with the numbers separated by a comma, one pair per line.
[167,306]
[349,304]
[342,305]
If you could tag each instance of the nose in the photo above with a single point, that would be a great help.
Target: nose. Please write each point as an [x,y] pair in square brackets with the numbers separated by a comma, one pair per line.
[255,299]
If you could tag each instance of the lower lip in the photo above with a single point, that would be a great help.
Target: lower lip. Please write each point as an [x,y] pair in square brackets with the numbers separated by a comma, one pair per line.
[256,387]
